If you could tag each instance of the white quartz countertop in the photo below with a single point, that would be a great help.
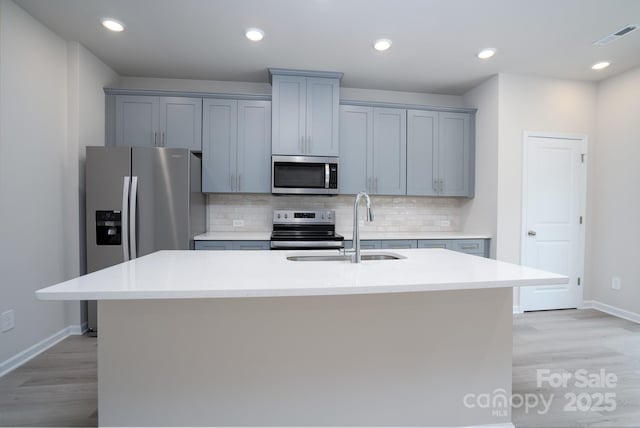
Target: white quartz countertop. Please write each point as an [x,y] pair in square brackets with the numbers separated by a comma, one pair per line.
[221,274]
[364,234]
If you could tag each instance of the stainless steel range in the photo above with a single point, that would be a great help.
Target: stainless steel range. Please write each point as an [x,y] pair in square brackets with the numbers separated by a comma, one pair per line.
[305,230]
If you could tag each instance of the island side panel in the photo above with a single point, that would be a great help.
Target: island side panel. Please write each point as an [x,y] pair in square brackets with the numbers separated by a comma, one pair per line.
[375,360]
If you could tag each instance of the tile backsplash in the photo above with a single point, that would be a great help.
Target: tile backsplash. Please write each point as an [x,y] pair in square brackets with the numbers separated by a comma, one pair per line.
[391,213]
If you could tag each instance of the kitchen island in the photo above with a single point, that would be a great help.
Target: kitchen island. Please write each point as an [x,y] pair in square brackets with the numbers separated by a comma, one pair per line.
[250,338]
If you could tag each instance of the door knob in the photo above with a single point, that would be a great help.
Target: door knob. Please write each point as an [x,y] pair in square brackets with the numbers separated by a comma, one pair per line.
[532,233]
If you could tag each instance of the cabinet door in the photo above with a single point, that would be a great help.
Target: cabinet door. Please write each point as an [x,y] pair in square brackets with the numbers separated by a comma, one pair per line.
[136,121]
[254,147]
[181,123]
[356,138]
[422,137]
[289,115]
[454,160]
[389,151]
[219,137]
[322,110]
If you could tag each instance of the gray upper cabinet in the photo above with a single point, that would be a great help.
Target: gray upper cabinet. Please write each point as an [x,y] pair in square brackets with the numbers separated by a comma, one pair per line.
[439,154]
[356,140]
[372,150]
[146,121]
[422,137]
[137,120]
[236,146]
[181,123]
[454,155]
[305,114]
[389,158]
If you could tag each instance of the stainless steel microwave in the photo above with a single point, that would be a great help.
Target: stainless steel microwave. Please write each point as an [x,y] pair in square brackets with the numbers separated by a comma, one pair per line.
[304,175]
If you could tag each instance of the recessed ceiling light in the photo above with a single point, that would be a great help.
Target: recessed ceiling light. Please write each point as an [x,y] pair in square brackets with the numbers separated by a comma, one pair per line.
[600,65]
[112,24]
[382,45]
[254,34]
[486,53]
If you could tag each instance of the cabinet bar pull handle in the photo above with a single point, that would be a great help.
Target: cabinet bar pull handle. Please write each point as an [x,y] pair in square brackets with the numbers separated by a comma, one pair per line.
[125,217]
[308,145]
[239,182]
[133,217]
[231,182]
[162,139]
[155,138]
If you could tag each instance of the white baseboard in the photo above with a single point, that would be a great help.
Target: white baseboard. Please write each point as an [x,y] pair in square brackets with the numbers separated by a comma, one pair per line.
[516,309]
[35,350]
[611,310]
[78,330]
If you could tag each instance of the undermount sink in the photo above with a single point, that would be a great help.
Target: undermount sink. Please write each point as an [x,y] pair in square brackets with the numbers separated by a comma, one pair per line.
[342,257]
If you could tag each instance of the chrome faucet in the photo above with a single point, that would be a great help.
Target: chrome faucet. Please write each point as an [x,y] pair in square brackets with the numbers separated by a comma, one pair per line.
[355,258]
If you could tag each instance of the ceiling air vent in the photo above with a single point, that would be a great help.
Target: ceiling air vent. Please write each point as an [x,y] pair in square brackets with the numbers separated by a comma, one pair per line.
[615,36]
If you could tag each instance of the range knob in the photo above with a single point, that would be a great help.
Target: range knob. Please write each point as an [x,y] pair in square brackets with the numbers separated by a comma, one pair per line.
[286,216]
[278,215]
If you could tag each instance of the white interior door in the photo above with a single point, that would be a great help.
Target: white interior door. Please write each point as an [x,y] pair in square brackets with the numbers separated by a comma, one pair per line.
[554,181]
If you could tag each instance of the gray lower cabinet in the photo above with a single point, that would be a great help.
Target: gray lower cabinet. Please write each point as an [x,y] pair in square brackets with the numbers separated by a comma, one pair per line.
[236,146]
[372,150]
[440,154]
[232,245]
[147,121]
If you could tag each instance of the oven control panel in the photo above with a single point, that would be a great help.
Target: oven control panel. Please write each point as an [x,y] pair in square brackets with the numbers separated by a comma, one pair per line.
[305,217]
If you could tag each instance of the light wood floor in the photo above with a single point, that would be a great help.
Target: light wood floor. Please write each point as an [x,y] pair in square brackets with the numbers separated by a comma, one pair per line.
[58,388]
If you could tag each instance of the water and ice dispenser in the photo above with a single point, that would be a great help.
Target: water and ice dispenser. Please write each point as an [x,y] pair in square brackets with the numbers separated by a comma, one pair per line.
[108,227]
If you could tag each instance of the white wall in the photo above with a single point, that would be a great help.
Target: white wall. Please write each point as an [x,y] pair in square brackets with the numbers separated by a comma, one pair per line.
[33,187]
[529,103]
[51,106]
[87,76]
[616,229]
[480,214]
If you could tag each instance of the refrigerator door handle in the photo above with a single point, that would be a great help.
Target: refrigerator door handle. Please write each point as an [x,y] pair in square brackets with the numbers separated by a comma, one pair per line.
[125,218]
[132,217]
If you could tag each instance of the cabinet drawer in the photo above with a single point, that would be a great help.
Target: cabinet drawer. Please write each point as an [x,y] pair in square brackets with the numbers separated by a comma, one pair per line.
[469,246]
[251,245]
[398,244]
[214,245]
[433,243]
[365,244]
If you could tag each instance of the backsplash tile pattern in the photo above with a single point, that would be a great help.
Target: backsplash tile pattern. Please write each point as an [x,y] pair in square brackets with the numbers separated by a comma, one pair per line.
[392,213]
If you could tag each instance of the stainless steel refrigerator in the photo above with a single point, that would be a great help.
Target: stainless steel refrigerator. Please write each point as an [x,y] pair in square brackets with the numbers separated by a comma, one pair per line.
[140,200]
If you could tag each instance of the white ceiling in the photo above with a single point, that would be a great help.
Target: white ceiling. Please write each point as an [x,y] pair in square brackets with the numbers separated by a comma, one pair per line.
[434,41]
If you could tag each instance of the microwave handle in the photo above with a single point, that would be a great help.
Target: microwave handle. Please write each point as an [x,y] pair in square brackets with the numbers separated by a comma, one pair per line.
[327,174]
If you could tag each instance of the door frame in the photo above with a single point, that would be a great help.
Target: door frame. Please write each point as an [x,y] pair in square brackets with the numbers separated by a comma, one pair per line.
[583,139]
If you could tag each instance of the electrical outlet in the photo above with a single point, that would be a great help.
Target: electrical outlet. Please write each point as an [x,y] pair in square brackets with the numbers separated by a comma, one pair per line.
[445,223]
[8,320]
[238,223]
[615,283]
